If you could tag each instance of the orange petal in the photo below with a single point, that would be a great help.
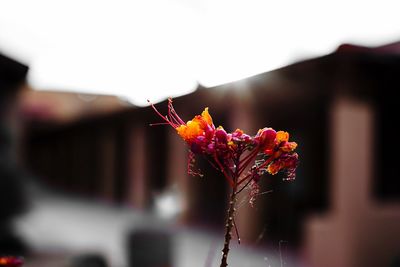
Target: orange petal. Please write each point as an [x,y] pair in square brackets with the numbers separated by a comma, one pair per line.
[206,116]
[289,146]
[190,131]
[282,136]
[274,168]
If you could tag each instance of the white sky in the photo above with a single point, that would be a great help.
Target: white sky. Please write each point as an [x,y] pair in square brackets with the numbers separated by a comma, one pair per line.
[153,49]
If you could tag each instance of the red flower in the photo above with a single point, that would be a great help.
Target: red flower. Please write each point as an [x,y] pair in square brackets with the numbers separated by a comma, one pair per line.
[240,157]
[266,138]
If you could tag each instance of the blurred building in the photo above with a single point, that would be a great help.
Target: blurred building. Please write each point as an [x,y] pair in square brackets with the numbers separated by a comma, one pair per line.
[344,207]
[12,195]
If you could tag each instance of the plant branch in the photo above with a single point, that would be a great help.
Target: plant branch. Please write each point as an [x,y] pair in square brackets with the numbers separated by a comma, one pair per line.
[228,231]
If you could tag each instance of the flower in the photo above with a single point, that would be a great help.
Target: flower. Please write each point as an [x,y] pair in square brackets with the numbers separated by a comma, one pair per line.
[281,136]
[282,140]
[266,139]
[240,157]
[195,132]
[201,125]
[286,161]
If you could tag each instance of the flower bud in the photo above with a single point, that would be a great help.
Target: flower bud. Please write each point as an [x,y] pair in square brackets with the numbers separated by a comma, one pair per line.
[266,138]
[221,135]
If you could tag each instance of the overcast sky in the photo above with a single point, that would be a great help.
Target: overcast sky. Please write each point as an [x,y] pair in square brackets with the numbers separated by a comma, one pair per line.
[158,48]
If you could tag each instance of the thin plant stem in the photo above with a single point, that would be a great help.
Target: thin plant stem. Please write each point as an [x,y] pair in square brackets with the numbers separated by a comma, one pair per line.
[244,187]
[247,160]
[229,179]
[236,230]
[228,229]
[230,217]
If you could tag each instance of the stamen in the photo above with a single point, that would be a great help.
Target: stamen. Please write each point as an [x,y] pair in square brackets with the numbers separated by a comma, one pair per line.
[173,112]
[174,120]
[159,123]
[158,113]
[168,121]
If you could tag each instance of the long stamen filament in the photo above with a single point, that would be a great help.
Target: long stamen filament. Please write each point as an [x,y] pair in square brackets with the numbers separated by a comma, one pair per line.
[159,123]
[173,112]
[159,114]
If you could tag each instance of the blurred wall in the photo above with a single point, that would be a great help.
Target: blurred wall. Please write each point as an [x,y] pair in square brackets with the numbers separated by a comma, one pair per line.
[119,158]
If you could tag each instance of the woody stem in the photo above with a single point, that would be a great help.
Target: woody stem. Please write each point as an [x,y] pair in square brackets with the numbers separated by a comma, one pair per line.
[229,221]
[228,230]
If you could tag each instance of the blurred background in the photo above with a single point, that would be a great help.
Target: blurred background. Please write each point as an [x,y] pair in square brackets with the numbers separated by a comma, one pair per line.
[85,181]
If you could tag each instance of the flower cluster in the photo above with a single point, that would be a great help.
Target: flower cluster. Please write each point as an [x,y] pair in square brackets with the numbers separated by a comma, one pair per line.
[243,159]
